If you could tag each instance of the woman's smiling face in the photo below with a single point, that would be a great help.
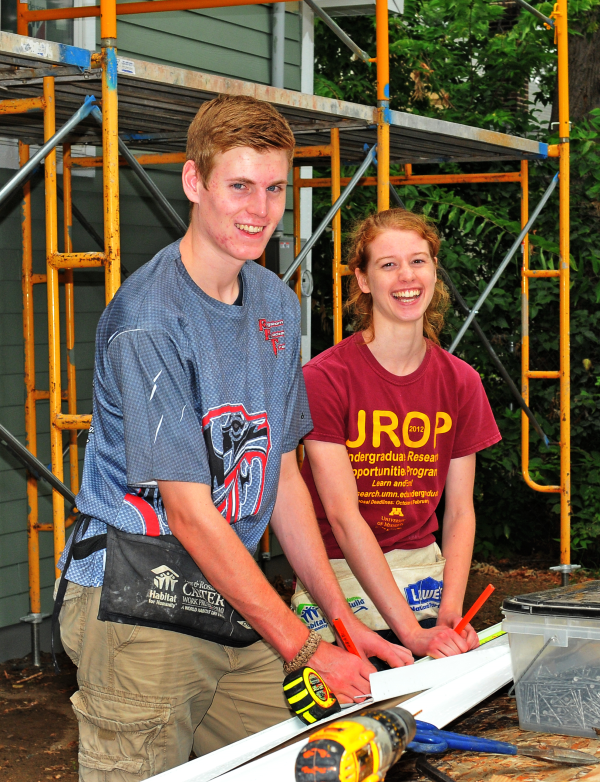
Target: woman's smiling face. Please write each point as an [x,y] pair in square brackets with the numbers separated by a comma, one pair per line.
[401,275]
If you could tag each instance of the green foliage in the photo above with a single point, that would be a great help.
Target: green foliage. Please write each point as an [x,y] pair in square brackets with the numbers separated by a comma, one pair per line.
[470,61]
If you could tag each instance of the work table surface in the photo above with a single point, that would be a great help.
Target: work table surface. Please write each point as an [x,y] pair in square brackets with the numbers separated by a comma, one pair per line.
[496,718]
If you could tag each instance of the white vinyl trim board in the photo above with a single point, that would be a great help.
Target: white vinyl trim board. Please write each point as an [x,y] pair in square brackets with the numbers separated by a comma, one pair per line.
[439,706]
[452,686]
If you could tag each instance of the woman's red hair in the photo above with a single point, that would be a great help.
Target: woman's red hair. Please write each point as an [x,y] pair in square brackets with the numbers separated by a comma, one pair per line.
[361,304]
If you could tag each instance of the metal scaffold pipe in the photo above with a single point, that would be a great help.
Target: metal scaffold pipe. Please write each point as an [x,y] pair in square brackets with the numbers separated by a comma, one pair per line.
[33,464]
[393,192]
[562,40]
[335,28]
[329,216]
[535,12]
[110,149]
[396,198]
[53,304]
[494,356]
[504,264]
[25,171]
[146,179]
[85,223]
[278,46]
[383,104]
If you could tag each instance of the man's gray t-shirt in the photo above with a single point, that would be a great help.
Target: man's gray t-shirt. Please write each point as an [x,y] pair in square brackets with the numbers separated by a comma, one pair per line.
[187,388]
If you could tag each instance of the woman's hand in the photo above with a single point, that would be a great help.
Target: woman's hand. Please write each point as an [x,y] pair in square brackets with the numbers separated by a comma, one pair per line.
[348,675]
[439,641]
[451,619]
[369,644]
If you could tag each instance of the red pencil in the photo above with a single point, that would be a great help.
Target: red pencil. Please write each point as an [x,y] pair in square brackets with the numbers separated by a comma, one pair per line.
[345,636]
[474,608]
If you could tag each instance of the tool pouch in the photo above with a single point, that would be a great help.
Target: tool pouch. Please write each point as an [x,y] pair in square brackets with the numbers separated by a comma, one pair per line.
[154,582]
[419,575]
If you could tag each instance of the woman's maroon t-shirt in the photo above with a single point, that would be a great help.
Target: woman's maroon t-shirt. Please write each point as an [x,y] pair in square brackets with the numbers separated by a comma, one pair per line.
[400,434]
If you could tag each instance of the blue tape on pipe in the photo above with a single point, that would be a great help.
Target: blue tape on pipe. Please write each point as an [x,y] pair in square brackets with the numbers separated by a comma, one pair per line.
[386,90]
[141,136]
[73,55]
[88,105]
[111,68]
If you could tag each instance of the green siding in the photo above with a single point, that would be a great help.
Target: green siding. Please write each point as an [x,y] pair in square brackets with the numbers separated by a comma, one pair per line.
[232,42]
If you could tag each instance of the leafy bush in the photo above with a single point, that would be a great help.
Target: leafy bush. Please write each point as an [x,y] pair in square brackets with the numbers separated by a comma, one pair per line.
[471,62]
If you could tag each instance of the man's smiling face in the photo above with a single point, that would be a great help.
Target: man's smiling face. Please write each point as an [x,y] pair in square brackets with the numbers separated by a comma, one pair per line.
[243,202]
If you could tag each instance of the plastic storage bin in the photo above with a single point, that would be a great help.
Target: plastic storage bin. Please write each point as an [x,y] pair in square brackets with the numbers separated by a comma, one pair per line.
[555,649]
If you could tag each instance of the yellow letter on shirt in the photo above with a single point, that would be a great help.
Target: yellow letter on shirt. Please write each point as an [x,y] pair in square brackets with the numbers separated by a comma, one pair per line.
[443,423]
[378,427]
[408,427]
[362,433]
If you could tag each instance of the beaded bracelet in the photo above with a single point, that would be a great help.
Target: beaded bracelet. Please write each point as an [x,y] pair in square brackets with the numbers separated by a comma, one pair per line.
[306,652]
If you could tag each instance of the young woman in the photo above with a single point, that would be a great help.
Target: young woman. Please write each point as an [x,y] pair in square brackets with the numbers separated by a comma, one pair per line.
[397,421]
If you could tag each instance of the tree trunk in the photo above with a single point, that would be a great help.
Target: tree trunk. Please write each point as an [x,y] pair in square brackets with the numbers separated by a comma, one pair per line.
[584,68]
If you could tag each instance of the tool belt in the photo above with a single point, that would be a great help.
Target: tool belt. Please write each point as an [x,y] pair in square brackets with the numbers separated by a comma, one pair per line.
[152,581]
[419,575]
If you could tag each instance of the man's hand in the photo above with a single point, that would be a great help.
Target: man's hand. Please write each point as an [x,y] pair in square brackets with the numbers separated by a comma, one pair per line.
[348,675]
[345,674]
[449,619]
[369,644]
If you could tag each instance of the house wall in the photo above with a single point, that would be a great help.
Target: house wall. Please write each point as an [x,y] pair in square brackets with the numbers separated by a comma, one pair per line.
[232,42]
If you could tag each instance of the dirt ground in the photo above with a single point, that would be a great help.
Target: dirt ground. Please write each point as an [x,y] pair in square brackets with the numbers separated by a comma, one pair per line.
[38,731]
[509,582]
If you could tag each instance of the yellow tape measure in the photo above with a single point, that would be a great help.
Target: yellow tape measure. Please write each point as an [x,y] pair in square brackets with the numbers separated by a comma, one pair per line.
[308,696]
[491,637]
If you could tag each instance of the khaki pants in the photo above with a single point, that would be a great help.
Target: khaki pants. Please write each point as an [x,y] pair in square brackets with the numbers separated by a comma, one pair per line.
[147,697]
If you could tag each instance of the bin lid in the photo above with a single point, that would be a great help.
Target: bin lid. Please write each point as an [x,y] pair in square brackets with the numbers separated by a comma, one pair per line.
[576,600]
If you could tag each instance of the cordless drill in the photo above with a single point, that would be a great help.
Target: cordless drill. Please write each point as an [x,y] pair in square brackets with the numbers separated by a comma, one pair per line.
[358,749]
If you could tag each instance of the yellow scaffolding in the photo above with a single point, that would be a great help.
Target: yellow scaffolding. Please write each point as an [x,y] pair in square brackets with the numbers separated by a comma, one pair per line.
[60,266]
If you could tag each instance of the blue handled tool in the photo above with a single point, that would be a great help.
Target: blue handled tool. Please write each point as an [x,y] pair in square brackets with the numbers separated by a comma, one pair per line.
[429,740]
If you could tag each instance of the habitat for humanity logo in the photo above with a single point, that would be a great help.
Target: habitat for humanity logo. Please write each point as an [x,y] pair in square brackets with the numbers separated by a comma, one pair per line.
[165,578]
[424,594]
[311,615]
[164,581]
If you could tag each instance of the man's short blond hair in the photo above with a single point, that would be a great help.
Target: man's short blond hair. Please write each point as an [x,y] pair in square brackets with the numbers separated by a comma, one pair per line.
[235,121]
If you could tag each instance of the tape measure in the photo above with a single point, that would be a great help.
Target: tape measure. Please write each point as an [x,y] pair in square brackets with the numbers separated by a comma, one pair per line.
[308,696]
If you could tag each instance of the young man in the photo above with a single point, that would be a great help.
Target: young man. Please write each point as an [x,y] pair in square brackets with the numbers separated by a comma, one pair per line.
[199,404]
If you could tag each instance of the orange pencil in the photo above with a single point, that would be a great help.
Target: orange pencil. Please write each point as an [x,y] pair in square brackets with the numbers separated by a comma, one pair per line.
[474,608]
[345,636]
